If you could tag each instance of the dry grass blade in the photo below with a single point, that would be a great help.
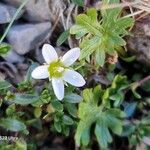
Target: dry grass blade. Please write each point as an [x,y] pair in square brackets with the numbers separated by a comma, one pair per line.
[140,5]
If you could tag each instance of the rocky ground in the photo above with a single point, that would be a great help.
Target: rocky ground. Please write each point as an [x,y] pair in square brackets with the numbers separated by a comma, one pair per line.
[34,26]
[42,21]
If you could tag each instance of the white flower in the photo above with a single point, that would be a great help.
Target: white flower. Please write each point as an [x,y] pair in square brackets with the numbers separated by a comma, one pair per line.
[58,70]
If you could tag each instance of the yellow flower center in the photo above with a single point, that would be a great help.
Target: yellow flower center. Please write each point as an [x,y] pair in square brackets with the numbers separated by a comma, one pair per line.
[56,69]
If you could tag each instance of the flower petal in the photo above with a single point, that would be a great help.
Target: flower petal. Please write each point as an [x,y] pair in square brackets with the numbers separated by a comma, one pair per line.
[71,56]
[40,72]
[49,53]
[73,78]
[58,87]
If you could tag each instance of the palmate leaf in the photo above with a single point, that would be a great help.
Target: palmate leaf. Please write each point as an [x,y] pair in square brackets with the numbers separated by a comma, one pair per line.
[79,31]
[121,24]
[102,134]
[100,56]
[120,83]
[89,46]
[105,34]
[89,21]
[90,112]
[83,129]
[113,122]
[110,14]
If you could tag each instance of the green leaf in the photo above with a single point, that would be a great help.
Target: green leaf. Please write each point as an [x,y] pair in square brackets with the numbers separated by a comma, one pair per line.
[4,85]
[88,95]
[100,57]
[128,130]
[91,25]
[4,48]
[83,133]
[67,120]
[137,95]
[102,134]
[120,83]
[105,95]
[79,30]
[57,105]
[78,2]
[66,130]
[117,98]
[37,112]
[72,110]
[72,98]
[91,113]
[31,68]
[89,46]
[105,34]
[117,40]
[63,37]
[57,126]
[92,13]
[123,23]
[113,13]
[128,59]
[12,124]
[114,123]
[25,99]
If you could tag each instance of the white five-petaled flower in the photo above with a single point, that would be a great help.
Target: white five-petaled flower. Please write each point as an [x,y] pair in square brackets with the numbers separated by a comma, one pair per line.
[58,70]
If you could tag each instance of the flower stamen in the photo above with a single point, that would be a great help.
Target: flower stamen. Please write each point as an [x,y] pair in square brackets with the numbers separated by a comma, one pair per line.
[56,69]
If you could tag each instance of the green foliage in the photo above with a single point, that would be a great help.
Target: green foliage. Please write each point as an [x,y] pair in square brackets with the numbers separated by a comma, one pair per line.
[72,98]
[4,48]
[101,37]
[19,144]
[134,87]
[31,68]
[63,37]
[137,130]
[63,122]
[25,99]
[45,98]
[4,85]
[96,109]
[100,111]
[65,113]
[12,124]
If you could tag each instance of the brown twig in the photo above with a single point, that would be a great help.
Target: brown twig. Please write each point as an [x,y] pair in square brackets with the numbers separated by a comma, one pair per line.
[141,82]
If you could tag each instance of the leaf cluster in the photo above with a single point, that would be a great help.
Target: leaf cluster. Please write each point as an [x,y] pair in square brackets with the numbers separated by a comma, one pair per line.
[97,109]
[101,36]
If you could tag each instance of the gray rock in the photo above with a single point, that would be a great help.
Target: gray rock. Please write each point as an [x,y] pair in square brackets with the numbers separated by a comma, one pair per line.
[13,2]
[36,10]
[26,37]
[139,42]
[6,13]
[13,57]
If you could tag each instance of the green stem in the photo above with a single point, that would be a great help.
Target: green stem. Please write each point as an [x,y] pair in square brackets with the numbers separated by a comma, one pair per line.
[13,19]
